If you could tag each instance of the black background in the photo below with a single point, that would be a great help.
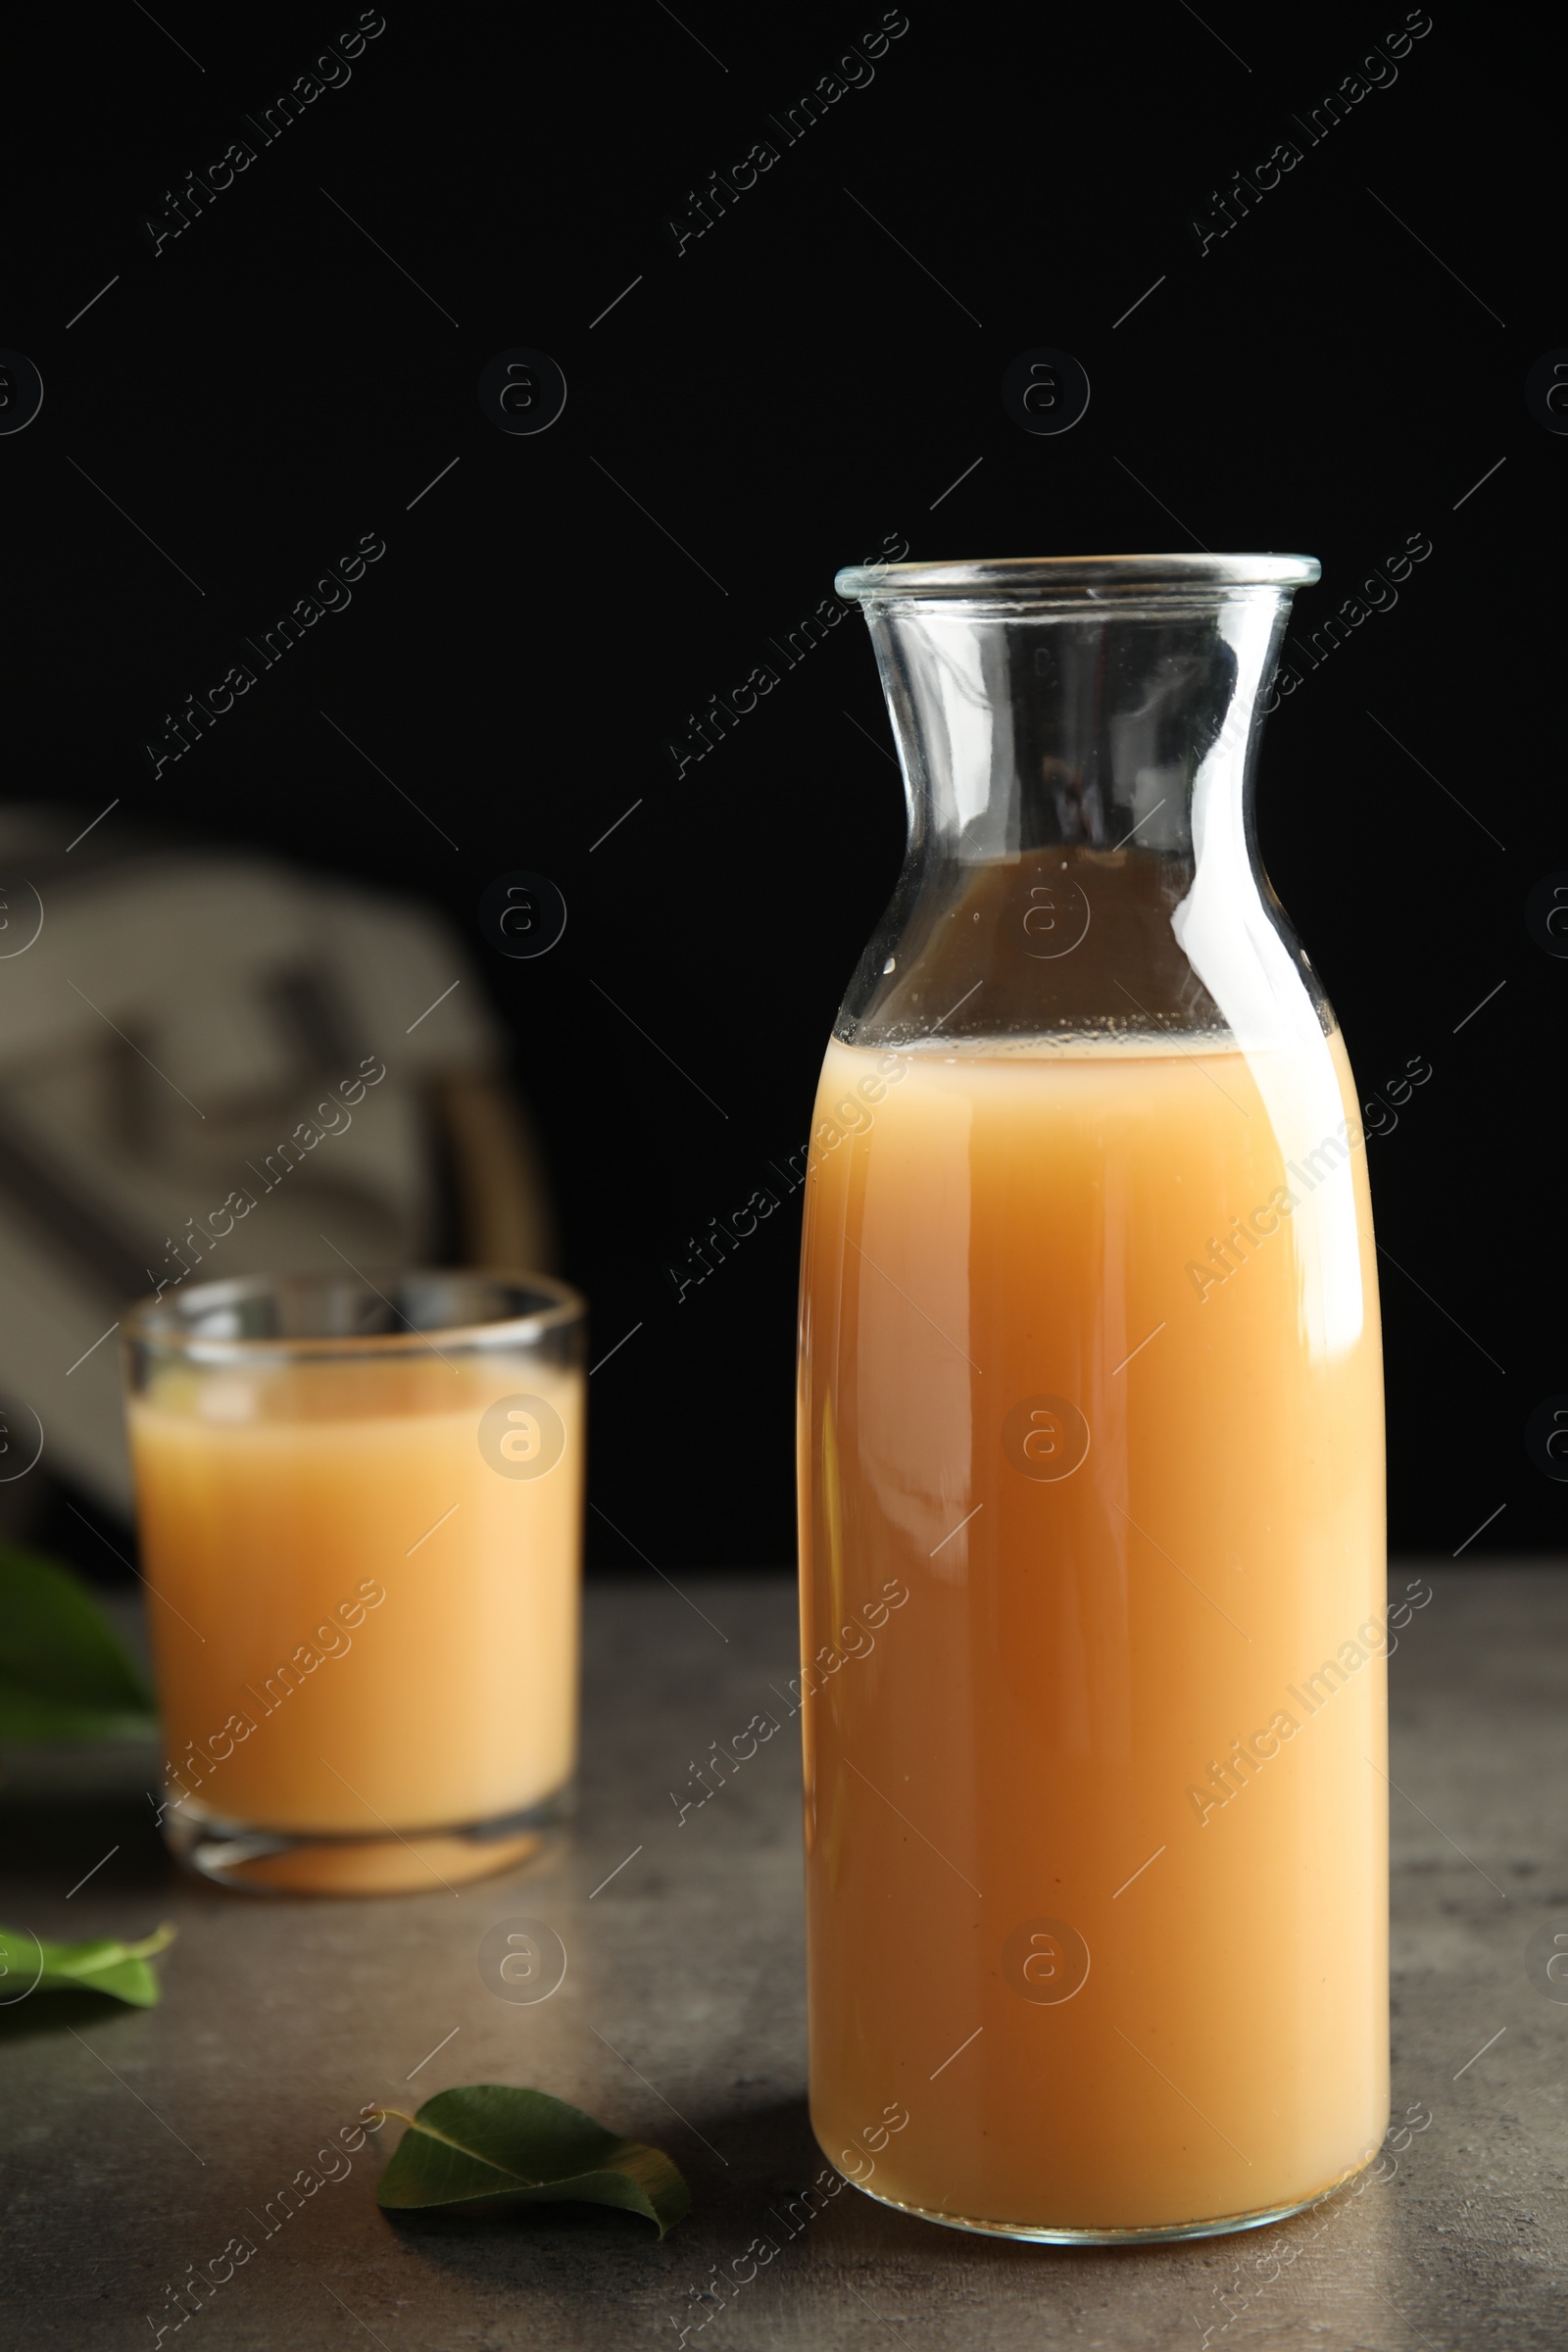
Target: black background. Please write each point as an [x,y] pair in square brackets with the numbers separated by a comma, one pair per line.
[775,400]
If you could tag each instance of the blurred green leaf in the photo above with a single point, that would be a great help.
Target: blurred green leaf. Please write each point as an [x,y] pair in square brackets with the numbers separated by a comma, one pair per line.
[29,1965]
[64,1672]
[489,2146]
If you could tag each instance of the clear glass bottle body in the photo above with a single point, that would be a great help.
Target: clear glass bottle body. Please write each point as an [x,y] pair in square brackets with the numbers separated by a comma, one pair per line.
[1093,1567]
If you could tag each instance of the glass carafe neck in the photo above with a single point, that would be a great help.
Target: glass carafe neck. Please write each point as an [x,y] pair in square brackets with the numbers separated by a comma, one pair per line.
[1078,743]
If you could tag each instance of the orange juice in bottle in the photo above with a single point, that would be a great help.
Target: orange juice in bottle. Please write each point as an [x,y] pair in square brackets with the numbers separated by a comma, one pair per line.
[1093,1574]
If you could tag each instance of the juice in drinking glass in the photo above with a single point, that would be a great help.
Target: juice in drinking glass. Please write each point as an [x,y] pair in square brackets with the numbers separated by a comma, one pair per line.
[359,1512]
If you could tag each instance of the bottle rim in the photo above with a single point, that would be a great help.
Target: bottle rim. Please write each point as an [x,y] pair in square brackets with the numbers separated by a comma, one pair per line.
[1085,578]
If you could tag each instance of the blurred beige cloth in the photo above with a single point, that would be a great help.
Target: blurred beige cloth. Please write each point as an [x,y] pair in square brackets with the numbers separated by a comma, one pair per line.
[183,1031]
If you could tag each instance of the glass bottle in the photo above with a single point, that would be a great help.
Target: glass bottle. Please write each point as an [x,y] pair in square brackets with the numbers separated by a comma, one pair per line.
[1091,1447]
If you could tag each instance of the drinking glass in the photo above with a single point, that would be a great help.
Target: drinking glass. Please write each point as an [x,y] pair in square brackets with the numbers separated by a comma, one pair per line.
[359,1504]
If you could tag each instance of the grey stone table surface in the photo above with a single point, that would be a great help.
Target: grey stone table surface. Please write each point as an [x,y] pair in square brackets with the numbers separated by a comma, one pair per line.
[136,2144]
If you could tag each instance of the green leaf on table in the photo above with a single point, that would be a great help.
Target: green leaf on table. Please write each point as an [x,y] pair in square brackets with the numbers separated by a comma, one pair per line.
[105,1965]
[489,2146]
[64,1672]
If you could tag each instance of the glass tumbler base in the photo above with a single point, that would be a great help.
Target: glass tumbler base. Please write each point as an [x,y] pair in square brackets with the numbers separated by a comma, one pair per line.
[1162,2233]
[266,1861]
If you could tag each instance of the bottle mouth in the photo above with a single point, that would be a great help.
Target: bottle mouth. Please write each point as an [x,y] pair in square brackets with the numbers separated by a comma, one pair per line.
[1084,580]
